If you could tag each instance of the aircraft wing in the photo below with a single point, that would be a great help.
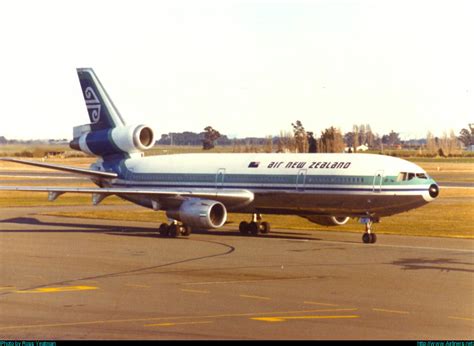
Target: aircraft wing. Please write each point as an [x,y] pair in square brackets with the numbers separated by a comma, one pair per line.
[226,196]
[75,170]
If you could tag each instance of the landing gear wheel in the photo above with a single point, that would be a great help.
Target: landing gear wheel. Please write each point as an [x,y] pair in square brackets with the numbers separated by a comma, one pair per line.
[244,227]
[185,230]
[253,228]
[173,231]
[164,230]
[373,238]
[265,227]
[369,237]
[366,238]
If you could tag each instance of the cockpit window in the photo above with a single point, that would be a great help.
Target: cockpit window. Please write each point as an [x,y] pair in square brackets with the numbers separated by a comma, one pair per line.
[404,176]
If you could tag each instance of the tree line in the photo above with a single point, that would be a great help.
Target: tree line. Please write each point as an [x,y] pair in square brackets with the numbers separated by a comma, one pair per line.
[330,140]
[300,140]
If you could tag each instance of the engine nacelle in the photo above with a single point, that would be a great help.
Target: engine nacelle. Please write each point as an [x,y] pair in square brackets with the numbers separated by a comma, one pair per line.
[328,220]
[202,213]
[125,139]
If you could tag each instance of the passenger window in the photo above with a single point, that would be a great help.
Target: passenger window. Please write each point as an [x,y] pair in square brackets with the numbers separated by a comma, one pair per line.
[411,176]
[421,176]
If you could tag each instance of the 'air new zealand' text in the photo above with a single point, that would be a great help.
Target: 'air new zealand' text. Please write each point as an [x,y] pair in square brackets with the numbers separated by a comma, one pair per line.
[312,165]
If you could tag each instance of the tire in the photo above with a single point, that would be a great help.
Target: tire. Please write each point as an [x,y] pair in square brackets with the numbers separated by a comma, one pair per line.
[373,238]
[244,227]
[186,231]
[366,238]
[173,231]
[265,227]
[163,230]
[253,228]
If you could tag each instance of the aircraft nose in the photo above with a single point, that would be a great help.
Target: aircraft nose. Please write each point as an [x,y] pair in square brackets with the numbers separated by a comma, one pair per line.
[434,190]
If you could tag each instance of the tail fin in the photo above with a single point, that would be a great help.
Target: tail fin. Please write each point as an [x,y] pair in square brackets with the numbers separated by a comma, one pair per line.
[102,112]
[107,135]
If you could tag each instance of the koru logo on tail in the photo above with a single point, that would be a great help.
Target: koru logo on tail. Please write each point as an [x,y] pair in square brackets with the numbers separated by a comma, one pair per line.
[93,104]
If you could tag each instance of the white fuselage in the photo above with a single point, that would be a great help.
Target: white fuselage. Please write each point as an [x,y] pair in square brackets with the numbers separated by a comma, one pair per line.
[326,184]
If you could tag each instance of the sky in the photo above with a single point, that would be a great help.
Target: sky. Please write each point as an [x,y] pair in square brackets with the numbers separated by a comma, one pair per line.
[246,68]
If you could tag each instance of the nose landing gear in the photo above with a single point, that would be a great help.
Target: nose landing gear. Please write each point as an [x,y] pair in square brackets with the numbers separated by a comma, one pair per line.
[368,237]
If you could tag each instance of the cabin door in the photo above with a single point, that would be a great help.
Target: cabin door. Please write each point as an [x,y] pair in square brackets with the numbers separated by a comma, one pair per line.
[378,178]
[220,178]
[301,180]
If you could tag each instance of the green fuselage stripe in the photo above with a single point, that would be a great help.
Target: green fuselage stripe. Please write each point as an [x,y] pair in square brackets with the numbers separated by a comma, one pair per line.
[267,179]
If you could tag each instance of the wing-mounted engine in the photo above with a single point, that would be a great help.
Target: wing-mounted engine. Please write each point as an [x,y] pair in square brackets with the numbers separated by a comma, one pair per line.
[123,139]
[201,213]
[327,220]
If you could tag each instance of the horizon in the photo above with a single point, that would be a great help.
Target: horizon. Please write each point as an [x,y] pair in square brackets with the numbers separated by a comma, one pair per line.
[158,137]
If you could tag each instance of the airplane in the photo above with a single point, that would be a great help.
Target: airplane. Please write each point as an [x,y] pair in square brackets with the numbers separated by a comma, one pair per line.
[198,190]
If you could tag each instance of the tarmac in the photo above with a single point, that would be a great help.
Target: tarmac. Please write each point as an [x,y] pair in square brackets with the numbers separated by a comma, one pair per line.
[66,278]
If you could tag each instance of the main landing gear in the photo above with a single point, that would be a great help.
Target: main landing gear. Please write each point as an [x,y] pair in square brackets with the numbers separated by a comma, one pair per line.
[174,229]
[368,237]
[255,226]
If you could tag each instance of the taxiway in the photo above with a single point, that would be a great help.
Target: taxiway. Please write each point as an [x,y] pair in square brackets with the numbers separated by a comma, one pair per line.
[65,278]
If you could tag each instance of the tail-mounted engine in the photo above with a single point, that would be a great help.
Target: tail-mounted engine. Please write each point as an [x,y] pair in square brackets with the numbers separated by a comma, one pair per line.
[124,139]
[327,220]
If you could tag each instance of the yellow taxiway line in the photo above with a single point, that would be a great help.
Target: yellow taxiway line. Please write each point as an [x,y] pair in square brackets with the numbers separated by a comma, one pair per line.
[310,317]
[391,311]
[58,289]
[323,304]
[461,318]
[145,319]
[171,324]
[194,291]
[254,297]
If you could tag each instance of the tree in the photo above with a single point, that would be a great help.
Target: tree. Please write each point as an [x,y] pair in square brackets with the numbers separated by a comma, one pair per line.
[312,143]
[300,137]
[349,138]
[467,136]
[268,147]
[370,137]
[362,135]
[453,143]
[392,139]
[331,141]
[444,146]
[430,143]
[210,136]
[286,143]
[355,138]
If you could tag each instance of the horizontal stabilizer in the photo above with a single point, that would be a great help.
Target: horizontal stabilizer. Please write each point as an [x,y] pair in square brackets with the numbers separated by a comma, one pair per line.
[75,170]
